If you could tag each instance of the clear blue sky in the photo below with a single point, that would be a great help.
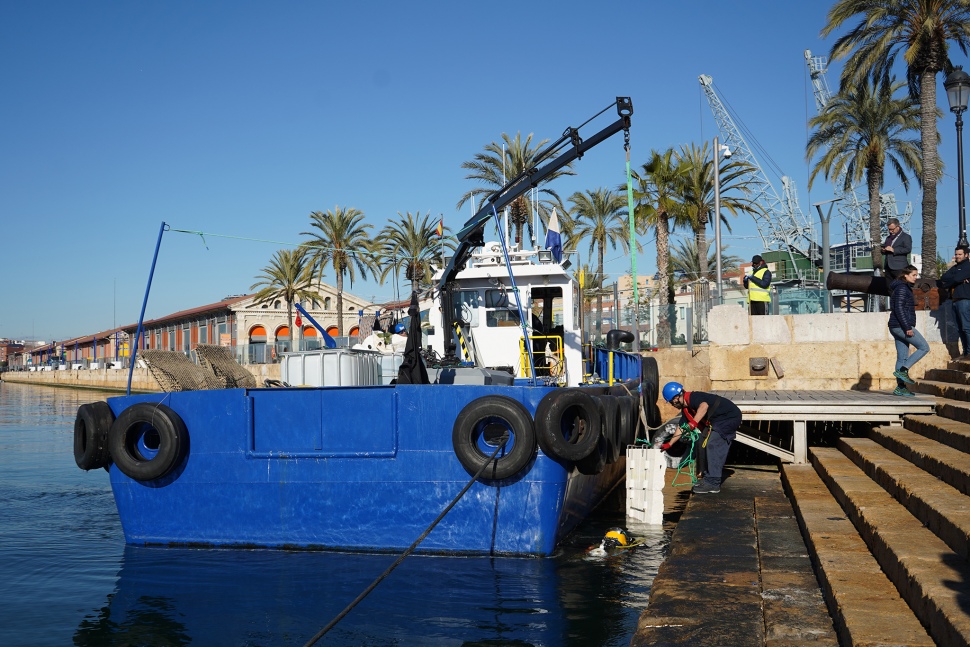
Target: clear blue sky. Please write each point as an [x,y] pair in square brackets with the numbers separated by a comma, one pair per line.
[240,118]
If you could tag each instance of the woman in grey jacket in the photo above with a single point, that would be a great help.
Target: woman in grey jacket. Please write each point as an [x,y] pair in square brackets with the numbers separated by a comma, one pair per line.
[902,326]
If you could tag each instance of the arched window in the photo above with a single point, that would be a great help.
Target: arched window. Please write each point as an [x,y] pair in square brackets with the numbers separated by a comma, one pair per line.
[257,335]
[276,304]
[326,303]
[283,332]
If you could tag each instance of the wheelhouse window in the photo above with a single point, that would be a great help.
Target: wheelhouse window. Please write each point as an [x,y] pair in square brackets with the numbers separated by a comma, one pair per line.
[501,309]
[466,307]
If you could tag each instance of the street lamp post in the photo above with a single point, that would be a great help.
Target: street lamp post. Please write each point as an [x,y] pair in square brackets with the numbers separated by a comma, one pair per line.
[957,86]
[717,217]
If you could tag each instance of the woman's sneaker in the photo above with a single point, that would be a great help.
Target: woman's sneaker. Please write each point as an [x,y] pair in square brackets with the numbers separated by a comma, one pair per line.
[903,391]
[903,374]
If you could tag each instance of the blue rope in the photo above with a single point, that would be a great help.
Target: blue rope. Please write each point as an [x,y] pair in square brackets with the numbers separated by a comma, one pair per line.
[518,301]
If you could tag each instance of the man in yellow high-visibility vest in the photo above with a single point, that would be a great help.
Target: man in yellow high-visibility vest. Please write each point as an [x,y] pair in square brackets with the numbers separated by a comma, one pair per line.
[757,284]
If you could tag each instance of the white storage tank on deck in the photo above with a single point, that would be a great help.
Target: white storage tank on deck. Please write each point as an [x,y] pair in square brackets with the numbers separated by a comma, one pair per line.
[331,367]
[390,366]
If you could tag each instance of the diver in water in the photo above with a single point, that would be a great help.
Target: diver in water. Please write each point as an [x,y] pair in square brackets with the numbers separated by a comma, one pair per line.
[614,540]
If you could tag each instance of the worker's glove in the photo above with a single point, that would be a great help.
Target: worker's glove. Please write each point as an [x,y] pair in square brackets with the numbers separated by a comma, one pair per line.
[692,424]
[665,447]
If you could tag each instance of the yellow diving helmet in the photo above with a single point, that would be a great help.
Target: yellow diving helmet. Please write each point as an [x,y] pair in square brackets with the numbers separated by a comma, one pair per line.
[617,535]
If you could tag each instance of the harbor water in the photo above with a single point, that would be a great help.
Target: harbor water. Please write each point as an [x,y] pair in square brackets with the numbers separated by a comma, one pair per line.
[69,579]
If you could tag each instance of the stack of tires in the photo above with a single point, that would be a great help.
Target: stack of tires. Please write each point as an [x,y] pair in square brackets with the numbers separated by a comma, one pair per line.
[147,441]
[585,427]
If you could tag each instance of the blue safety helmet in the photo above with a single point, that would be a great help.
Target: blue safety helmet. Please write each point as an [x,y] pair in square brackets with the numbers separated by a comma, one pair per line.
[672,390]
[398,328]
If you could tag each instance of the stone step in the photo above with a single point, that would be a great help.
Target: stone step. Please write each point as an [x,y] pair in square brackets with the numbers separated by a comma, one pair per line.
[942,430]
[959,364]
[942,390]
[933,580]
[865,606]
[950,465]
[953,409]
[947,375]
[792,603]
[940,507]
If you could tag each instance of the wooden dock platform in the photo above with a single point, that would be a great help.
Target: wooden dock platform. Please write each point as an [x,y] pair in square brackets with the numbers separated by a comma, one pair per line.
[800,407]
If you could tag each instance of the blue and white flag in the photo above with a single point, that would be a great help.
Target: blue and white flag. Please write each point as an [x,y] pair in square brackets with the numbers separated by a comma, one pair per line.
[553,239]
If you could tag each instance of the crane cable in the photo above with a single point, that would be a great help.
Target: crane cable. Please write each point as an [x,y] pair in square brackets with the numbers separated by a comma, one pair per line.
[410,549]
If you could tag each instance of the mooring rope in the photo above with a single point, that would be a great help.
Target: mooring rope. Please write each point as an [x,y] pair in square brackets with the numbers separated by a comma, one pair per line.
[410,549]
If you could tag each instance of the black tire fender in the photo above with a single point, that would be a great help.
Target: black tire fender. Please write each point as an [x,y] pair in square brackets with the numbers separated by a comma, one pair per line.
[91,428]
[650,391]
[596,461]
[610,430]
[628,412]
[147,441]
[478,426]
[649,371]
[568,424]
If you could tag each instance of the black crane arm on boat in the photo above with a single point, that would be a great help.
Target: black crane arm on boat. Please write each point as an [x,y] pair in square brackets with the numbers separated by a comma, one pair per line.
[472,233]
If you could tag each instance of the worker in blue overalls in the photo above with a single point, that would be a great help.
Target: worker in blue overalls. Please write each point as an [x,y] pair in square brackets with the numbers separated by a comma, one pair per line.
[716,419]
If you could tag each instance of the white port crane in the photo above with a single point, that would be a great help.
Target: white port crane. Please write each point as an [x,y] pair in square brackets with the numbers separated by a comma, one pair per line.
[854,212]
[780,221]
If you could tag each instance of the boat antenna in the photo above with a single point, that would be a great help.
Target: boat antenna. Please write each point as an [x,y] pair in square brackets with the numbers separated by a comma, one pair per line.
[144,304]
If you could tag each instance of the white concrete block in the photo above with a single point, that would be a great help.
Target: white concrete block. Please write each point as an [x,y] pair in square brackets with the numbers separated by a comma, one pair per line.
[938,325]
[770,330]
[645,506]
[645,470]
[728,325]
[868,326]
[820,327]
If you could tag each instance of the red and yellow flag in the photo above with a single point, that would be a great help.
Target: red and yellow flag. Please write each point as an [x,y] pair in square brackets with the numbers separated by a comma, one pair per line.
[441,228]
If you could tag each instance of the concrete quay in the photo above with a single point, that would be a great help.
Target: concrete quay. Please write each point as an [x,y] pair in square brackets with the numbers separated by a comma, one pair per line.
[115,380]
[866,545]
[738,573]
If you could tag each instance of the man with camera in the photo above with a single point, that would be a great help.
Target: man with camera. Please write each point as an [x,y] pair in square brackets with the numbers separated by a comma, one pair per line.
[896,250]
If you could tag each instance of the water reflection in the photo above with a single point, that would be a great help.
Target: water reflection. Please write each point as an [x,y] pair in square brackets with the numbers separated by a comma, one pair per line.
[166,596]
[67,573]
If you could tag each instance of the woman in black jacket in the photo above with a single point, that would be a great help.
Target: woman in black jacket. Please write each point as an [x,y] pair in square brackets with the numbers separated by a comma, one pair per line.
[902,326]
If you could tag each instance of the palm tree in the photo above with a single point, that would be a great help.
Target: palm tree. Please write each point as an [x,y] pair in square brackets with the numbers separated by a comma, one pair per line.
[500,163]
[600,215]
[942,265]
[340,241]
[685,258]
[412,245]
[698,194]
[922,31]
[289,276]
[861,130]
[658,188]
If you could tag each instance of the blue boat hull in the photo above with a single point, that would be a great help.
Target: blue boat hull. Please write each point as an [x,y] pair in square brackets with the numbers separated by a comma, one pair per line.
[355,468]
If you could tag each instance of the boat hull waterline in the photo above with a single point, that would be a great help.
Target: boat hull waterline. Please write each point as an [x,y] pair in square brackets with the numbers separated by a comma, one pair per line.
[354,468]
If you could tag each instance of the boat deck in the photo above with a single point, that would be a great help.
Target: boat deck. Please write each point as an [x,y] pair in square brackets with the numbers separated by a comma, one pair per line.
[800,407]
